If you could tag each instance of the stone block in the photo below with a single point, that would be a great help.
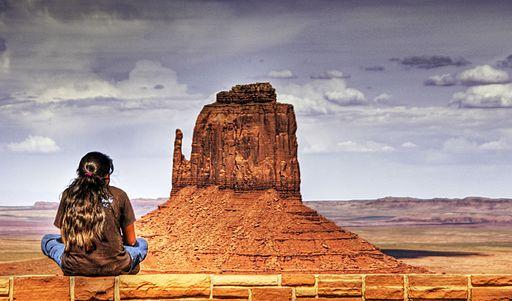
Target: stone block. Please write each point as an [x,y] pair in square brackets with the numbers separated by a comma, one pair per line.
[164,286]
[297,280]
[438,293]
[94,288]
[305,291]
[438,280]
[427,287]
[384,287]
[230,292]
[384,293]
[41,288]
[491,293]
[4,286]
[384,280]
[271,294]
[340,285]
[329,299]
[491,280]
[245,280]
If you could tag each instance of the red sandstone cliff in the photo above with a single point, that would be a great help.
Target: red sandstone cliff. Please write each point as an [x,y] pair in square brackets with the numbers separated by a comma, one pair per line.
[235,205]
[245,141]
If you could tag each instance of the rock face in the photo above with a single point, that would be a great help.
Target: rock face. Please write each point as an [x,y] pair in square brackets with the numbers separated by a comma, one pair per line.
[245,141]
[235,206]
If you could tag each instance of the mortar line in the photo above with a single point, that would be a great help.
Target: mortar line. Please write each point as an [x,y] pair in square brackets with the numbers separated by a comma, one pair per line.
[72,288]
[316,286]
[11,288]
[470,286]
[211,286]
[406,287]
[117,296]
[363,287]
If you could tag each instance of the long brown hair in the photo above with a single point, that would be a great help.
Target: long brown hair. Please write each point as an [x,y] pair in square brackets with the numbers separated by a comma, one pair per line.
[84,216]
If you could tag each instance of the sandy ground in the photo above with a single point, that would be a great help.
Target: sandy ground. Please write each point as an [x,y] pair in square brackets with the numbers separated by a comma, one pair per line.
[443,249]
[466,249]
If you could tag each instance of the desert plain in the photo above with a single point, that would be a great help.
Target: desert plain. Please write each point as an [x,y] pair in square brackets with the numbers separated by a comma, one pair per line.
[472,235]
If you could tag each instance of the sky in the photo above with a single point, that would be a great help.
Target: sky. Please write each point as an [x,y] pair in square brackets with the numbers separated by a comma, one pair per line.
[393,98]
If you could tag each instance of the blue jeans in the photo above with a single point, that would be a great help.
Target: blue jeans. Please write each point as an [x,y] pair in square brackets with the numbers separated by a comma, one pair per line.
[137,252]
[52,246]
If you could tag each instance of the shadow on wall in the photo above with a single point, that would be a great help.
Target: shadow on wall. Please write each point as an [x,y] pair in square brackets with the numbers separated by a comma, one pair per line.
[410,254]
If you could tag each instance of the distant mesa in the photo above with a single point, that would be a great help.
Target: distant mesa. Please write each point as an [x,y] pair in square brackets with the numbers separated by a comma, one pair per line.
[45,205]
[235,205]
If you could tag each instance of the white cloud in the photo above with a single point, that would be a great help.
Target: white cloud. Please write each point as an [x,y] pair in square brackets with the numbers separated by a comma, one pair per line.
[364,147]
[409,144]
[484,74]
[320,96]
[459,145]
[382,98]
[281,74]
[487,96]
[151,80]
[468,145]
[330,74]
[147,81]
[441,80]
[62,88]
[34,144]
[497,145]
[346,97]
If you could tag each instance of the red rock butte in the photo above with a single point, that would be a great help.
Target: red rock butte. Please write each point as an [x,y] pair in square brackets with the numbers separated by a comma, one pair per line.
[236,206]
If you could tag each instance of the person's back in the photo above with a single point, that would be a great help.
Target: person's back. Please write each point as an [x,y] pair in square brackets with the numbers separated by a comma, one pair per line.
[97,225]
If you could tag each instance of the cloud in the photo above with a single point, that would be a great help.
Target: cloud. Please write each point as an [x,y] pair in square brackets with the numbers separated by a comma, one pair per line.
[148,82]
[374,68]
[441,80]
[34,144]
[487,96]
[484,74]
[346,97]
[320,96]
[151,80]
[506,63]
[431,61]
[382,98]
[467,145]
[281,74]
[364,147]
[409,144]
[330,74]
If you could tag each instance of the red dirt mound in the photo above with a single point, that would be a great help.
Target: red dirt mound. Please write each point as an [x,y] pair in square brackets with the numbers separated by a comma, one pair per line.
[223,231]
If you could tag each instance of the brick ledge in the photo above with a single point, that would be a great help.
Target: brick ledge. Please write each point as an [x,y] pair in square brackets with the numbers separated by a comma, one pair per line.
[290,287]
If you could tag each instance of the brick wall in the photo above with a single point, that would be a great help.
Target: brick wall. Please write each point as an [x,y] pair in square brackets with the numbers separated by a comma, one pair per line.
[323,287]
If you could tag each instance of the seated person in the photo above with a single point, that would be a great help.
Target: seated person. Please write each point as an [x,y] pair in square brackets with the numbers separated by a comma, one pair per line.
[96,223]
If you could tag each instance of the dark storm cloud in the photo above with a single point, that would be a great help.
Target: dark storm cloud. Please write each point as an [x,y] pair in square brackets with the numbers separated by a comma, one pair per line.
[431,61]
[506,63]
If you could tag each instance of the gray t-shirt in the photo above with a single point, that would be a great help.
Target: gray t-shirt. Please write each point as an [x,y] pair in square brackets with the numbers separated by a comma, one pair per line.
[109,258]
